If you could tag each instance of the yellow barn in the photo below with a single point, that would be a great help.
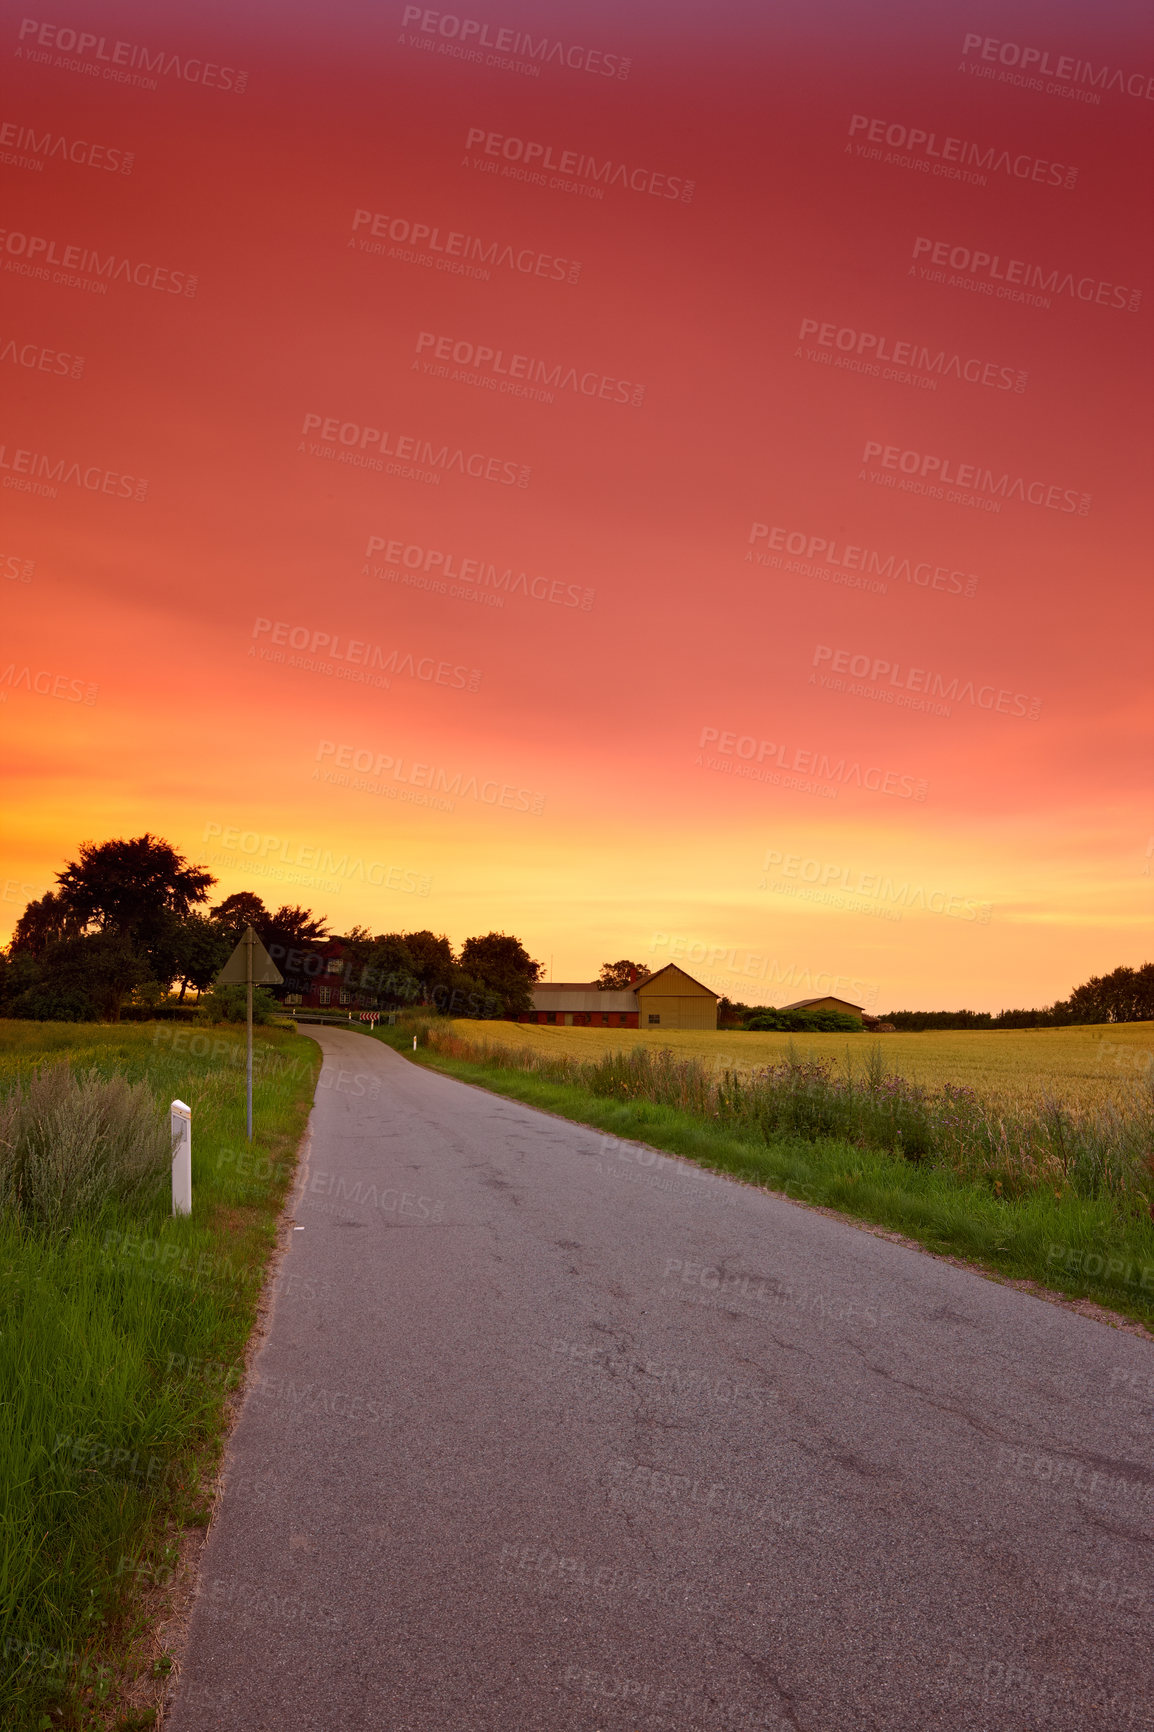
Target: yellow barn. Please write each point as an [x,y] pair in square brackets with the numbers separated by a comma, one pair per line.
[673,999]
[668,999]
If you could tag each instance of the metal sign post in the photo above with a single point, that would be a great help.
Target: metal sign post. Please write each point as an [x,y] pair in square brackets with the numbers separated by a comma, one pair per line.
[251,964]
[249,940]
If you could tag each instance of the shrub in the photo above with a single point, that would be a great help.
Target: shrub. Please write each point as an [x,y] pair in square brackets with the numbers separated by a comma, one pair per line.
[230,1004]
[51,1002]
[84,978]
[70,1144]
[803,1022]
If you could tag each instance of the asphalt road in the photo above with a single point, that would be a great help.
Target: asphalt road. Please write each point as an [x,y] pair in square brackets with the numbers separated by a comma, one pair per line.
[551,1431]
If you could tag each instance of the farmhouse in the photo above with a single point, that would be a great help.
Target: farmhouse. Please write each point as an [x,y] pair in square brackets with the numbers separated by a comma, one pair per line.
[668,999]
[323,975]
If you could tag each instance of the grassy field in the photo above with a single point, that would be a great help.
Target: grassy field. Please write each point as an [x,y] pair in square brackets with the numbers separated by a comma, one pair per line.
[1081,1066]
[121,1339]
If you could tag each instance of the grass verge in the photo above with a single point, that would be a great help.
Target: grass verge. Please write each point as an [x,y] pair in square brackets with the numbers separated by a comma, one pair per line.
[1082,1247]
[121,1340]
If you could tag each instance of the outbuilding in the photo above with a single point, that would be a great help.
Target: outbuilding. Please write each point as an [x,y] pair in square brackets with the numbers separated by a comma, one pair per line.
[668,999]
[840,1004]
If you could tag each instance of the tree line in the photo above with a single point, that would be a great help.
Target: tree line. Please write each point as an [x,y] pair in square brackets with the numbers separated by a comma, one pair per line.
[1124,995]
[130,920]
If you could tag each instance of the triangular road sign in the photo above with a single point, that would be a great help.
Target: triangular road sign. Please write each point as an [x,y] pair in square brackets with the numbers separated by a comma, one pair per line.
[264,970]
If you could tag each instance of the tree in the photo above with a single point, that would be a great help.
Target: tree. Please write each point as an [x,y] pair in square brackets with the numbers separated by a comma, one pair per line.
[297,926]
[243,908]
[131,888]
[390,971]
[620,976]
[433,960]
[19,973]
[200,947]
[391,955]
[43,922]
[83,979]
[505,967]
[287,935]
[110,927]
[1126,995]
[290,937]
[467,995]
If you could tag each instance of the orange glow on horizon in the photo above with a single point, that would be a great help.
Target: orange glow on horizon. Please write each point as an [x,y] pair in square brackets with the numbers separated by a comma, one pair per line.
[553,545]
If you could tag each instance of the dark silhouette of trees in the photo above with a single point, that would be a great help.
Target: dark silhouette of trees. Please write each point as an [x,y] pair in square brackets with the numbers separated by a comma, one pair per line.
[199,947]
[243,908]
[1124,995]
[620,976]
[44,922]
[132,887]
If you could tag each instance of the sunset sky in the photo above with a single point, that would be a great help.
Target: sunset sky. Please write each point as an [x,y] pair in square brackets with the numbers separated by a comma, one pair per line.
[835,396]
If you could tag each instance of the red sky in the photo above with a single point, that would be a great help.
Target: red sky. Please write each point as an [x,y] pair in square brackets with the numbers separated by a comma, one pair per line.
[829,358]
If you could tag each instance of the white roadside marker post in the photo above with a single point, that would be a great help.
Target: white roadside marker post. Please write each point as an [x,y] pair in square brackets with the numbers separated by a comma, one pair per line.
[180,1120]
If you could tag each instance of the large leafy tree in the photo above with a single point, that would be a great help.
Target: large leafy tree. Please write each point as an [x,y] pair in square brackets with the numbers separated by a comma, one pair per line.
[391,953]
[619,976]
[114,924]
[297,926]
[1125,995]
[505,967]
[391,971]
[133,889]
[468,995]
[292,936]
[433,960]
[359,940]
[243,908]
[199,946]
[42,923]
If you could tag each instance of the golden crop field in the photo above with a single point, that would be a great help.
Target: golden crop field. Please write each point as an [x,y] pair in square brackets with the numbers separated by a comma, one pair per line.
[1080,1065]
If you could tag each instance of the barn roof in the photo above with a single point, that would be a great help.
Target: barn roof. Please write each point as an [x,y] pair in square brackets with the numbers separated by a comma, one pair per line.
[823,998]
[649,979]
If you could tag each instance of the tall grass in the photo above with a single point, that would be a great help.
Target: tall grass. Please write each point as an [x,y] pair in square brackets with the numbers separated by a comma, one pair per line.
[69,1145]
[122,1326]
[1097,1151]
[1080,1065]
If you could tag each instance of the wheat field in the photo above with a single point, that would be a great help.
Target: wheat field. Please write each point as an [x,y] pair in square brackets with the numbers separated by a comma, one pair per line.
[1081,1066]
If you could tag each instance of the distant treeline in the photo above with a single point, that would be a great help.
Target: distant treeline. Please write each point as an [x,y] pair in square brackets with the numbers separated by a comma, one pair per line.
[1126,995]
[128,922]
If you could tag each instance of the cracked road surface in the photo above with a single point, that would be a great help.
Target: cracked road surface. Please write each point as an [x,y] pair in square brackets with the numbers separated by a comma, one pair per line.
[552,1431]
